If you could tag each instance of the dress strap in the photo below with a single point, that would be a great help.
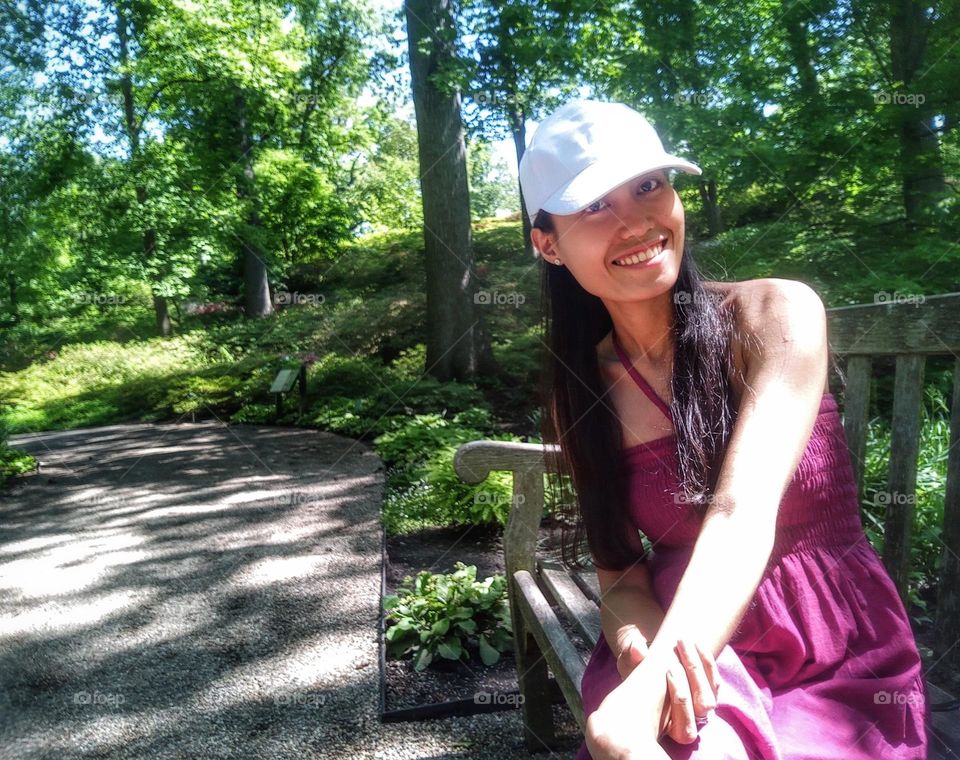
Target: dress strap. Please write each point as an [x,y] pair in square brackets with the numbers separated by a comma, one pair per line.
[644,385]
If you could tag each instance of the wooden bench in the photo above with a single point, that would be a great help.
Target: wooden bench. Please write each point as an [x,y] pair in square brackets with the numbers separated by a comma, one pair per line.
[542,592]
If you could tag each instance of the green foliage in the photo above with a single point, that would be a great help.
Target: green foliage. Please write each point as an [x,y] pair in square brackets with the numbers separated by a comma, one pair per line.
[302,210]
[94,383]
[927,529]
[13,461]
[423,487]
[196,393]
[491,186]
[411,440]
[453,616]
[360,397]
[255,414]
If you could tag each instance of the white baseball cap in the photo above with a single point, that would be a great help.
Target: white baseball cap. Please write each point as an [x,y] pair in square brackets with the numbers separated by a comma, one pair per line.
[586,148]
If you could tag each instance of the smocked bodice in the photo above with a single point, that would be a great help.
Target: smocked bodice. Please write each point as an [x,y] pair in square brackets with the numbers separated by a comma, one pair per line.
[819,506]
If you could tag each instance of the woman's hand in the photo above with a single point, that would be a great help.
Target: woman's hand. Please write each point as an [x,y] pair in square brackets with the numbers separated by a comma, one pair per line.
[628,722]
[691,698]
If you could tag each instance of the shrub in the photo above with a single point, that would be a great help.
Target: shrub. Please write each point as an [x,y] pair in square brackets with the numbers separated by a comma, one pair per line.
[450,616]
[254,413]
[424,490]
[13,461]
[416,439]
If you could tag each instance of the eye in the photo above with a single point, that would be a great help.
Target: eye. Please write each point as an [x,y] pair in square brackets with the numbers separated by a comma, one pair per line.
[651,180]
[593,208]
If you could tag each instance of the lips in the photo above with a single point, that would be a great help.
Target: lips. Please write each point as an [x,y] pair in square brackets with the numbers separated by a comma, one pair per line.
[643,248]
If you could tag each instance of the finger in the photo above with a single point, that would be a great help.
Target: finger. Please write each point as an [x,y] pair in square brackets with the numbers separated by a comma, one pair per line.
[704,699]
[666,715]
[638,650]
[685,728]
[632,654]
[627,661]
[710,666]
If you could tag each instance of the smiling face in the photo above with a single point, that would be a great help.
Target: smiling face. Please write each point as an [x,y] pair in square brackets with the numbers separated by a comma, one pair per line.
[640,216]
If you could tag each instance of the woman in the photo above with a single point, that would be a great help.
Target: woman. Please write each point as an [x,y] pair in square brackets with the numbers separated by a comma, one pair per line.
[699,414]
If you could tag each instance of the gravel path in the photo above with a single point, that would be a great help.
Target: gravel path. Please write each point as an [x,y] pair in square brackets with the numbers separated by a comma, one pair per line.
[198,590]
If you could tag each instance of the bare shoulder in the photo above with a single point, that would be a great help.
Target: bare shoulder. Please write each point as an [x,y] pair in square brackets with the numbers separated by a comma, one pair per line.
[756,301]
[790,306]
[770,308]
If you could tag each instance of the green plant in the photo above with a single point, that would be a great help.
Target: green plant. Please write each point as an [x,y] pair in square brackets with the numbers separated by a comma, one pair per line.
[450,616]
[254,413]
[429,493]
[928,501]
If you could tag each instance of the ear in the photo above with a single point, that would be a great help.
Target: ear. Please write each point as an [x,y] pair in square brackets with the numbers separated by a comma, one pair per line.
[541,242]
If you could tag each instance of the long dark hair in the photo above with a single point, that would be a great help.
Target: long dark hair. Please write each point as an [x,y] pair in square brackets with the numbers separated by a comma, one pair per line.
[577,411]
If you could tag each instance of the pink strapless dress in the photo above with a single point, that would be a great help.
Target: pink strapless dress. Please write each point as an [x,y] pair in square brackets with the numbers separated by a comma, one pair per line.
[824,664]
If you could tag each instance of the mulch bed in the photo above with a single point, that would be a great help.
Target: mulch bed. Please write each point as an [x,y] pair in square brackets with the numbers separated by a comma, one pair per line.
[444,680]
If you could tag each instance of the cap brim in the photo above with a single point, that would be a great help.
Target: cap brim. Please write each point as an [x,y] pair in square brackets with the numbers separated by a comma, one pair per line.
[600,178]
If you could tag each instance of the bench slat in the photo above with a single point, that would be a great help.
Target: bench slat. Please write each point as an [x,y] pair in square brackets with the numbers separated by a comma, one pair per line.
[583,613]
[902,474]
[947,622]
[589,583]
[856,410]
[563,659]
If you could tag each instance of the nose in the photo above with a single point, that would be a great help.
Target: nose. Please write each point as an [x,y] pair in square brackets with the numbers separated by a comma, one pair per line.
[636,221]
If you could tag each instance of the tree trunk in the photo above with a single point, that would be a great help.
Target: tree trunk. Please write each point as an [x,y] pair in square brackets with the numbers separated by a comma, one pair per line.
[162,313]
[813,156]
[920,162]
[708,196]
[519,131]
[457,344]
[256,285]
[14,306]
[797,21]
[133,136]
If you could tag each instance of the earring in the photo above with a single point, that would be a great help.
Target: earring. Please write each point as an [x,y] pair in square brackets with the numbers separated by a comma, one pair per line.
[557,262]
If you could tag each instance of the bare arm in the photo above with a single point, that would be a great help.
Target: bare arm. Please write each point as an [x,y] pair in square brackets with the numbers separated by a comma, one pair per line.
[785,375]
[627,602]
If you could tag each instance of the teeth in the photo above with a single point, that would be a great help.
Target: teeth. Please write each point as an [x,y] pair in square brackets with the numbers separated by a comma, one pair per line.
[637,258]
